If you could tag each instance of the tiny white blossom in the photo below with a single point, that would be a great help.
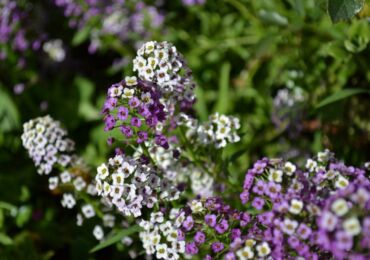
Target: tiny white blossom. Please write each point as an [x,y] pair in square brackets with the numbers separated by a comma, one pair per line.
[98,232]
[103,171]
[352,226]
[289,226]
[131,81]
[53,182]
[245,253]
[68,201]
[289,168]
[263,249]
[296,206]
[340,207]
[276,175]
[341,182]
[88,211]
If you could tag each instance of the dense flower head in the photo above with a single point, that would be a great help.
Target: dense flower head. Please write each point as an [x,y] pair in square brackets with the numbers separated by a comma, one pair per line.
[161,63]
[219,130]
[134,107]
[47,143]
[213,228]
[161,235]
[289,202]
[131,184]
[344,224]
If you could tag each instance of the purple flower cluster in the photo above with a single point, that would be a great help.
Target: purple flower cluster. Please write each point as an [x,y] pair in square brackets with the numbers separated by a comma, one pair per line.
[122,19]
[209,224]
[134,107]
[14,30]
[288,203]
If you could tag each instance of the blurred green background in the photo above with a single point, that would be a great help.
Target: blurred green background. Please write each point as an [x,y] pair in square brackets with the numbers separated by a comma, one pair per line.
[298,82]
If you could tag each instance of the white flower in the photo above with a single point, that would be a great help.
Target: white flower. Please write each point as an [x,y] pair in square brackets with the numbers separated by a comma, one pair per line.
[361,196]
[118,178]
[172,235]
[263,249]
[106,188]
[323,156]
[149,47]
[311,165]
[79,220]
[131,81]
[99,187]
[79,183]
[54,49]
[245,253]
[128,93]
[331,174]
[296,206]
[250,242]
[108,220]
[115,91]
[103,171]
[146,98]
[156,217]
[53,182]
[161,251]
[289,226]
[196,206]
[352,226]
[68,201]
[289,168]
[65,177]
[88,211]
[98,232]
[339,207]
[341,182]
[179,246]
[116,192]
[276,175]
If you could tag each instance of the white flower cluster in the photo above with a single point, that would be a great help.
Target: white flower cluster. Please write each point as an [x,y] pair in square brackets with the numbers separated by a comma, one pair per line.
[47,143]
[55,50]
[130,185]
[159,62]
[218,130]
[200,182]
[160,237]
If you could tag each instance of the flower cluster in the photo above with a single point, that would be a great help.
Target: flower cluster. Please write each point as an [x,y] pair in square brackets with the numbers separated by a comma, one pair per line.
[162,237]
[132,183]
[47,143]
[161,63]
[344,223]
[288,202]
[213,228]
[134,107]
[126,20]
[16,34]
[218,130]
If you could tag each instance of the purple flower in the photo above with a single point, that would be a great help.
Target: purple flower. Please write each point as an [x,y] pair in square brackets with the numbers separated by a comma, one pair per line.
[217,247]
[266,218]
[191,248]
[210,220]
[273,189]
[235,233]
[188,223]
[199,237]
[134,102]
[230,256]
[127,131]
[258,203]
[304,231]
[110,103]
[180,235]
[244,197]
[142,136]
[245,219]
[162,141]
[110,122]
[259,187]
[259,166]
[222,226]
[248,181]
[135,122]
[343,241]
[122,113]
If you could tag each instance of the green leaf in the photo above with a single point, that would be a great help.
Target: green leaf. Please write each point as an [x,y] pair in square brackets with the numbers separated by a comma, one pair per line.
[5,240]
[86,89]
[9,115]
[81,36]
[342,94]
[223,101]
[344,9]
[116,238]
[24,214]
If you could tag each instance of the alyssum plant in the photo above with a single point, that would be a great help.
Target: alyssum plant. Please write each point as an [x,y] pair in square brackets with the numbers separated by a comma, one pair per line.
[167,181]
